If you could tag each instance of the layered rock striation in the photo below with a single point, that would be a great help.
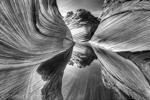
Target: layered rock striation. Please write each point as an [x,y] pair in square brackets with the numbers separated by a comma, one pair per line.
[121,43]
[82,24]
[32,33]
[36,46]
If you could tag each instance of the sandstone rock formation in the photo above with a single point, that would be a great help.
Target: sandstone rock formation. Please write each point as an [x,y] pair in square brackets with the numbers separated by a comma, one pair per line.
[121,43]
[82,24]
[32,33]
[36,45]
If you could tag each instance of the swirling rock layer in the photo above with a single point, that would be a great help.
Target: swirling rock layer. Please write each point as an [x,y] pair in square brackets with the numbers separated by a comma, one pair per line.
[32,33]
[36,45]
[124,29]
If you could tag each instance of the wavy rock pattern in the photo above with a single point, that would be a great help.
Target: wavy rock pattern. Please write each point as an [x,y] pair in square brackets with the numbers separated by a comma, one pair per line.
[141,59]
[32,32]
[124,29]
[125,74]
[36,46]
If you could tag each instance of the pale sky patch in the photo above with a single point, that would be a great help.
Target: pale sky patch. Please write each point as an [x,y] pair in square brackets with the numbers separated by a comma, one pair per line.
[94,6]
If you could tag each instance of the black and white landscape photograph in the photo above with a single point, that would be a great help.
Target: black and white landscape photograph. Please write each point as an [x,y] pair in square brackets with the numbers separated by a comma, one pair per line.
[74,49]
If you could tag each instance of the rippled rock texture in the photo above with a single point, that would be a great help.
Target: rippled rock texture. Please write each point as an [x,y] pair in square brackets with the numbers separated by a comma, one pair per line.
[121,43]
[33,37]
[36,45]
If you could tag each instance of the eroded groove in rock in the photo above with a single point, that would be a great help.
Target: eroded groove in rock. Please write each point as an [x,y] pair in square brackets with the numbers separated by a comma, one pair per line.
[52,71]
[31,32]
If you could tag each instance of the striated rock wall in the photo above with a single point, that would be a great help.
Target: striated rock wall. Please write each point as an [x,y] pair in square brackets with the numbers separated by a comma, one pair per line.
[121,43]
[36,45]
[32,32]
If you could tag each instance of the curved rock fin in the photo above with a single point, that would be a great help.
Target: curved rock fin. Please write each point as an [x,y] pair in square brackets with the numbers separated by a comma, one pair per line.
[124,74]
